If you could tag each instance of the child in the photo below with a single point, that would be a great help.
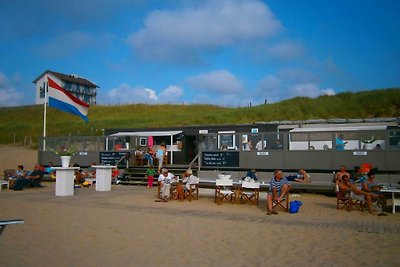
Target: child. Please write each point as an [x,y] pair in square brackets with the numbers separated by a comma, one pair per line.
[150,172]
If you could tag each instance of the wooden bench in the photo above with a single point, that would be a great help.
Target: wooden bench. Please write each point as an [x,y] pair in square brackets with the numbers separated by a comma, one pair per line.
[4,223]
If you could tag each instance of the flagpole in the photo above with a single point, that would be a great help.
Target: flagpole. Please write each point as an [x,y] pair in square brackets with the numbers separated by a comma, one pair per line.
[44,114]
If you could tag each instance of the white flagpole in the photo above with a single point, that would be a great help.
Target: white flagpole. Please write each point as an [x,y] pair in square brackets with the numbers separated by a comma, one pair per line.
[44,113]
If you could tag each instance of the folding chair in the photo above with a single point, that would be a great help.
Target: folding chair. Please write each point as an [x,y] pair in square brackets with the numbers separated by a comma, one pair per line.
[343,201]
[250,192]
[283,204]
[357,201]
[193,191]
[223,190]
[349,200]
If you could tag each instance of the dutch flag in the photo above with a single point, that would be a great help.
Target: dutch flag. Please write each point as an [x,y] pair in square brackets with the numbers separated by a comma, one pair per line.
[63,100]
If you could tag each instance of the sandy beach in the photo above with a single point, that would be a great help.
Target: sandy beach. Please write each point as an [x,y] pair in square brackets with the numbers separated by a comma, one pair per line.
[125,227]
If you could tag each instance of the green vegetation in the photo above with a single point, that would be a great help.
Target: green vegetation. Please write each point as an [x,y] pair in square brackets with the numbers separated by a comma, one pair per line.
[20,125]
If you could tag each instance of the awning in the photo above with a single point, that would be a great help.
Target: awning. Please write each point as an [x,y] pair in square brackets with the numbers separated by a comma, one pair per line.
[155,133]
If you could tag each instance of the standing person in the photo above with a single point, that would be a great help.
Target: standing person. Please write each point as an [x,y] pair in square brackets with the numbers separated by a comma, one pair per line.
[161,150]
[165,180]
[278,189]
[150,172]
[340,143]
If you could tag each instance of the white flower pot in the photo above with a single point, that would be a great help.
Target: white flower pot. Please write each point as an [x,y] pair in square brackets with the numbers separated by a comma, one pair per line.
[65,160]
[368,146]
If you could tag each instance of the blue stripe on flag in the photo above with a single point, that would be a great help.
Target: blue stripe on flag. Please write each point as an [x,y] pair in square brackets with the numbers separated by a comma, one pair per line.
[55,103]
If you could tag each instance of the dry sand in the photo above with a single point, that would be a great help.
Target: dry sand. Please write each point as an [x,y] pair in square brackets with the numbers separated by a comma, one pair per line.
[12,156]
[125,227]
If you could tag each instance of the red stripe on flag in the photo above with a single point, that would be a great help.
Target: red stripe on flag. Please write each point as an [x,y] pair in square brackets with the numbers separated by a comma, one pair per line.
[54,85]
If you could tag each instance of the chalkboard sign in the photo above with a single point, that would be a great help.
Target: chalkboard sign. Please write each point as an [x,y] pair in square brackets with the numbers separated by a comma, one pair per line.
[220,159]
[113,157]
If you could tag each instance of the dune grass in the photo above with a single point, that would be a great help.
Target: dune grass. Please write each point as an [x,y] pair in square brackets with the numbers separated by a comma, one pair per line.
[20,124]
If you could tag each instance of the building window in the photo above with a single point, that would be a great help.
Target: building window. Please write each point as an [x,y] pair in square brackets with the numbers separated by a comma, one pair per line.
[42,90]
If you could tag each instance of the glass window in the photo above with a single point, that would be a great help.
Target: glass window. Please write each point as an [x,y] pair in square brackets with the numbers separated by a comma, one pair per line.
[226,140]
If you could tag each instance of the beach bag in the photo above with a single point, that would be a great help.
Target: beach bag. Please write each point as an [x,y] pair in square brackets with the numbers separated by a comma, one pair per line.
[294,206]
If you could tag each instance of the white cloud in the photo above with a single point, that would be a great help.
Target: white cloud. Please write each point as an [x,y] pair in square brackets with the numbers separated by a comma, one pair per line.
[8,94]
[125,94]
[219,82]
[171,94]
[310,90]
[286,50]
[290,83]
[328,91]
[305,89]
[168,34]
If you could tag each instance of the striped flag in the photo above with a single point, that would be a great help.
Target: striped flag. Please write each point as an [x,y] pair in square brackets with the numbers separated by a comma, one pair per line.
[63,100]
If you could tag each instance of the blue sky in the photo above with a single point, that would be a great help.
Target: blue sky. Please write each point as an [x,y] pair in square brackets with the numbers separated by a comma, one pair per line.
[228,53]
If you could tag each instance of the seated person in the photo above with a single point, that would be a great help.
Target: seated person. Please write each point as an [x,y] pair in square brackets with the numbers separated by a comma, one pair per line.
[114,174]
[252,174]
[339,174]
[149,156]
[301,177]
[346,186]
[33,179]
[18,174]
[248,145]
[187,180]
[50,171]
[278,189]
[165,180]
[373,188]
[79,175]
[91,171]
[356,174]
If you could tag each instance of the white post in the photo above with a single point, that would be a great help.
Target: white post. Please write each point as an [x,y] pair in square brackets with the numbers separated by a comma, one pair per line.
[44,113]
[171,149]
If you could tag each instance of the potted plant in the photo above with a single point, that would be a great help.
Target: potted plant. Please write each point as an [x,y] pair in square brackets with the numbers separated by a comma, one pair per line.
[65,155]
[368,143]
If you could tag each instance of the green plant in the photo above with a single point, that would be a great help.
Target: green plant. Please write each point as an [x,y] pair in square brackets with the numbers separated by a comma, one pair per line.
[65,152]
[368,141]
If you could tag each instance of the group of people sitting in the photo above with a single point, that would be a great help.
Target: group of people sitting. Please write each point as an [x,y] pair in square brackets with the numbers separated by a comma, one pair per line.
[21,179]
[166,179]
[361,185]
